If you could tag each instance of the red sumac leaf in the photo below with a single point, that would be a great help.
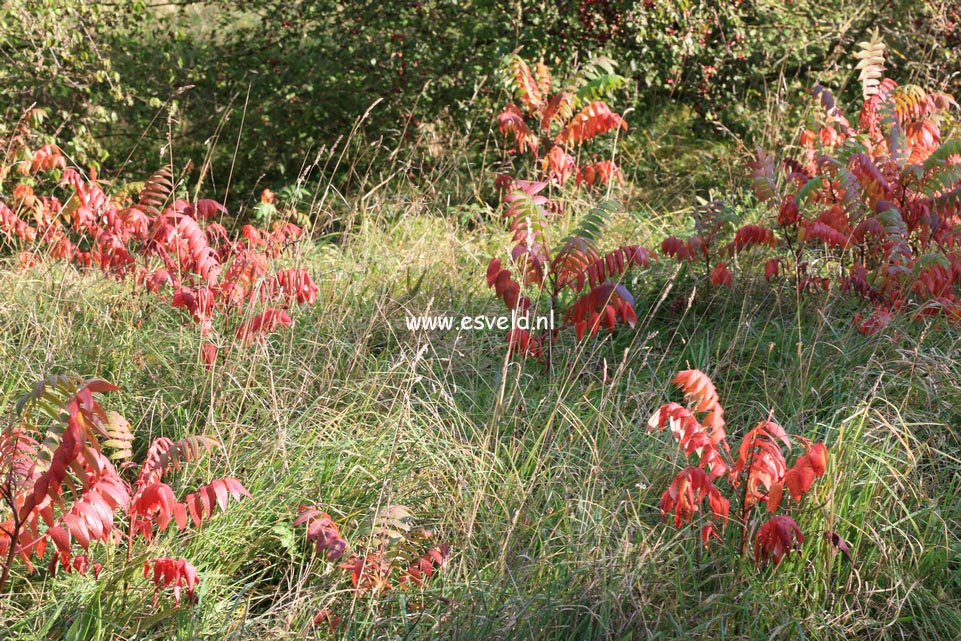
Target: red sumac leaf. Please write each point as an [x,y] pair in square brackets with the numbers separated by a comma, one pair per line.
[205,209]
[798,480]
[771,269]
[322,532]
[493,270]
[175,573]
[263,324]
[707,532]
[818,457]
[776,538]
[208,352]
[78,528]
[721,275]
[839,543]
[60,538]
[521,341]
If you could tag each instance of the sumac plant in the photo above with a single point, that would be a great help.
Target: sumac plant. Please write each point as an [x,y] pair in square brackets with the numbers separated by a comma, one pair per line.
[62,491]
[168,246]
[756,473]
[707,243]
[553,123]
[870,206]
[582,284]
[392,552]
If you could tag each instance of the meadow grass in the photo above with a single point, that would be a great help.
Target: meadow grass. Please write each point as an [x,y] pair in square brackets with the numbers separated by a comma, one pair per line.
[544,479]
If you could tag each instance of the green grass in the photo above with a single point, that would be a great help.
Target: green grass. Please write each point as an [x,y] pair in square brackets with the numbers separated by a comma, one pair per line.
[546,483]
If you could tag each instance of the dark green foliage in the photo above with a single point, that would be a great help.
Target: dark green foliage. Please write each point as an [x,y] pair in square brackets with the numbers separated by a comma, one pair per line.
[259,93]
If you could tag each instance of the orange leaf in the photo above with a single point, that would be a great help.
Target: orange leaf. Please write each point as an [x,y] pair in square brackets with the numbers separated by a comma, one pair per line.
[798,480]
[775,492]
[818,457]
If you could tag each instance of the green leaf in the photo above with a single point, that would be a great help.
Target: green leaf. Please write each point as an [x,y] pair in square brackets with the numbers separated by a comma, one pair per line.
[285,535]
[602,87]
[809,188]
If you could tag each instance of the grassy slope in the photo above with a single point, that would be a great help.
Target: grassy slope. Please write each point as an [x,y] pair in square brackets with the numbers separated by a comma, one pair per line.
[547,484]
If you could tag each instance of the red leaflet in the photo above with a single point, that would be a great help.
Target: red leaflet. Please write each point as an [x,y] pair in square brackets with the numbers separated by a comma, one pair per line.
[208,352]
[253,236]
[511,122]
[263,324]
[322,532]
[26,260]
[110,254]
[872,181]
[205,209]
[154,502]
[812,464]
[327,615]
[701,394]
[721,275]
[493,271]
[561,106]
[156,281]
[521,341]
[686,493]
[593,120]
[601,172]
[283,233]
[799,480]
[878,320]
[293,285]
[200,504]
[46,158]
[80,564]
[772,269]
[505,287]
[183,244]
[368,573]
[421,569]
[788,213]
[198,302]
[559,166]
[698,389]
[528,89]
[762,175]
[674,246]
[707,532]
[777,538]
[176,573]
[749,235]
[869,111]
[529,263]
[603,305]
[817,458]
[839,543]
[760,459]
[13,226]
[90,518]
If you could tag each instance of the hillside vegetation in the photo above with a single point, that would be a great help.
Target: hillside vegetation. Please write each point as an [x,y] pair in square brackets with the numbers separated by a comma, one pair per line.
[228,232]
